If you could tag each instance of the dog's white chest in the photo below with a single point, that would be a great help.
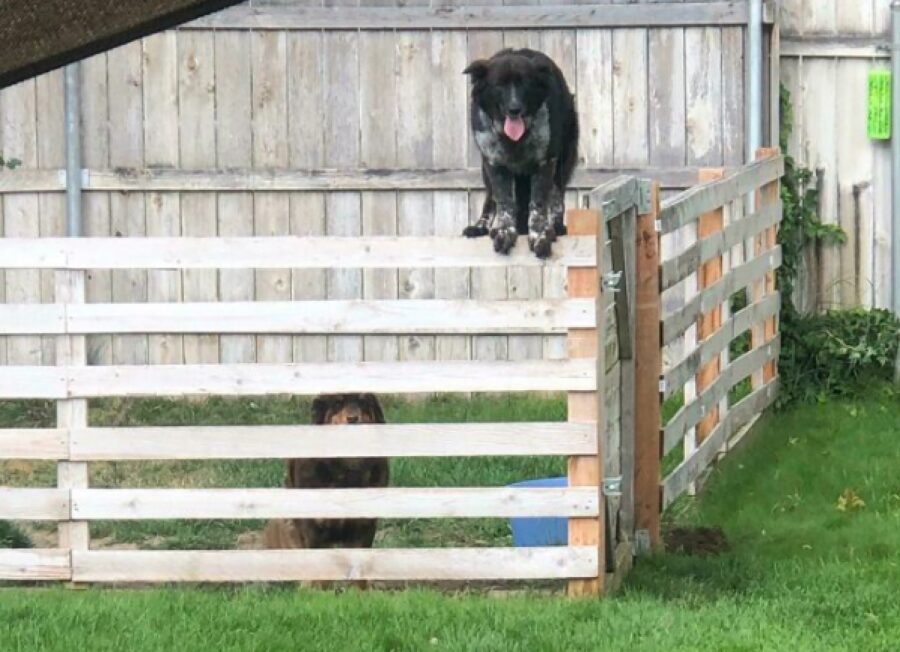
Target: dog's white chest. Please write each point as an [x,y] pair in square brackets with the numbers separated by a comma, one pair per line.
[497,151]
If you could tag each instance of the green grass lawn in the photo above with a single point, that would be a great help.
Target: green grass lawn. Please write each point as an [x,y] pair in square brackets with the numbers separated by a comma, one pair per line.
[811,508]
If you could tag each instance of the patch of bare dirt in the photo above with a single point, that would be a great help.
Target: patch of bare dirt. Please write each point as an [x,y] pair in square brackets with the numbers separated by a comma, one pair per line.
[696,541]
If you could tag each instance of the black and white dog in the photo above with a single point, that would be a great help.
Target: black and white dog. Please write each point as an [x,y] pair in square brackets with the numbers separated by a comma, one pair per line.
[526,127]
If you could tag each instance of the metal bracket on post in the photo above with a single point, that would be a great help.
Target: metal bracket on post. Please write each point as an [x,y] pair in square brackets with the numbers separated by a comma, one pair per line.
[612,487]
[645,191]
[611,281]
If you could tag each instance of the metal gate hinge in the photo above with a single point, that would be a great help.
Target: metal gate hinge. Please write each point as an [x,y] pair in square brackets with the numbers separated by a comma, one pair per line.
[612,486]
[611,281]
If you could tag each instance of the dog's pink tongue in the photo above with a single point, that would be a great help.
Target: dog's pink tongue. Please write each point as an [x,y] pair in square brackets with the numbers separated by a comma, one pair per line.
[514,128]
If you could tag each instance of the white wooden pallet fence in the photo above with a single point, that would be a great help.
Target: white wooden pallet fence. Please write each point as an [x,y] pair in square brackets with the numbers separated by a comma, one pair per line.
[74,443]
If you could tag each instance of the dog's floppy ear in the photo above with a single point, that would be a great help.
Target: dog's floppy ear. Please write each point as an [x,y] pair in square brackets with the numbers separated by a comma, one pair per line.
[373,407]
[477,70]
[320,408]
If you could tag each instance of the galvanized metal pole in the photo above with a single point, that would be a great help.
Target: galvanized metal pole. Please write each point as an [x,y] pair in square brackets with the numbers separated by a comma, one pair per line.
[754,91]
[73,151]
[895,168]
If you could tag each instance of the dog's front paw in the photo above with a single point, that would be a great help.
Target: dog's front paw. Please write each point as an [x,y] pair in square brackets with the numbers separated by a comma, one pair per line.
[475,231]
[541,243]
[504,239]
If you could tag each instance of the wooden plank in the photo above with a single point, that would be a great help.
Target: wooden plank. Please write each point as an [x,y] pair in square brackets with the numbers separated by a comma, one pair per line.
[736,325]
[678,480]
[468,502]
[323,565]
[313,379]
[271,211]
[35,564]
[648,365]
[279,442]
[71,413]
[415,210]
[197,149]
[164,220]
[667,118]
[234,148]
[587,406]
[692,413]
[703,76]
[631,113]
[33,444]
[687,206]
[34,504]
[310,177]
[19,381]
[51,152]
[830,46]
[679,267]
[378,149]
[307,317]
[240,253]
[595,96]
[21,212]
[449,139]
[307,220]
[293,16]
[855,165]
[125,74]
[96,205]
[736,278]
[710,321]
[766,195]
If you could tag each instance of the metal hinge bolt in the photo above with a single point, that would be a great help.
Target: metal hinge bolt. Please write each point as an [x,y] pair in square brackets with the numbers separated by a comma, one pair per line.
[611,281]
[612,486]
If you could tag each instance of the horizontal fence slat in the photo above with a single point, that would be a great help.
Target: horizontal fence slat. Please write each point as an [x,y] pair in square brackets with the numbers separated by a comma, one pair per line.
[33,504]
[547,316]
[32,382]
[330,252]
[298,379]
[467,502]
[739,323]
[739,369]
[323,565]
[307,441]
[293,180]
[689,205]
[681,266]
[33,443]
[738,415]
[296,17]
[616,196]
[736,278]
[34,564]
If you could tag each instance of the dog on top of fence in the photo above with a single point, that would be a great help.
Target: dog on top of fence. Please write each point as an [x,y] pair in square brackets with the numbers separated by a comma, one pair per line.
[526,127]
[332,409]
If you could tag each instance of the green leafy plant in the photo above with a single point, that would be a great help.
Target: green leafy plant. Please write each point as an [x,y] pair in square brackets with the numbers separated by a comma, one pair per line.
[9,164]
[12,537]
[835,353]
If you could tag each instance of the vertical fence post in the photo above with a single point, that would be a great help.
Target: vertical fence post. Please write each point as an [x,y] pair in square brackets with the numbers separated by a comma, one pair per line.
[587,407]
[71,413]
[760,335]
[710,272]
[648,367]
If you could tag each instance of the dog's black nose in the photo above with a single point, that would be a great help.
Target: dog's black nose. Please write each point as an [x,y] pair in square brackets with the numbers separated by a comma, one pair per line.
[354,418]
[514,111]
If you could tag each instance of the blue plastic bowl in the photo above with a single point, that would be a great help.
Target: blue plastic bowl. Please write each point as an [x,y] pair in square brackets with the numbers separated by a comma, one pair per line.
[533,532]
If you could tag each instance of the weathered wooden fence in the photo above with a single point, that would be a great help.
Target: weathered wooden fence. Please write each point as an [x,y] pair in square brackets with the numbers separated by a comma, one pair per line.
[277,118]
[731,263]
[598,375]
